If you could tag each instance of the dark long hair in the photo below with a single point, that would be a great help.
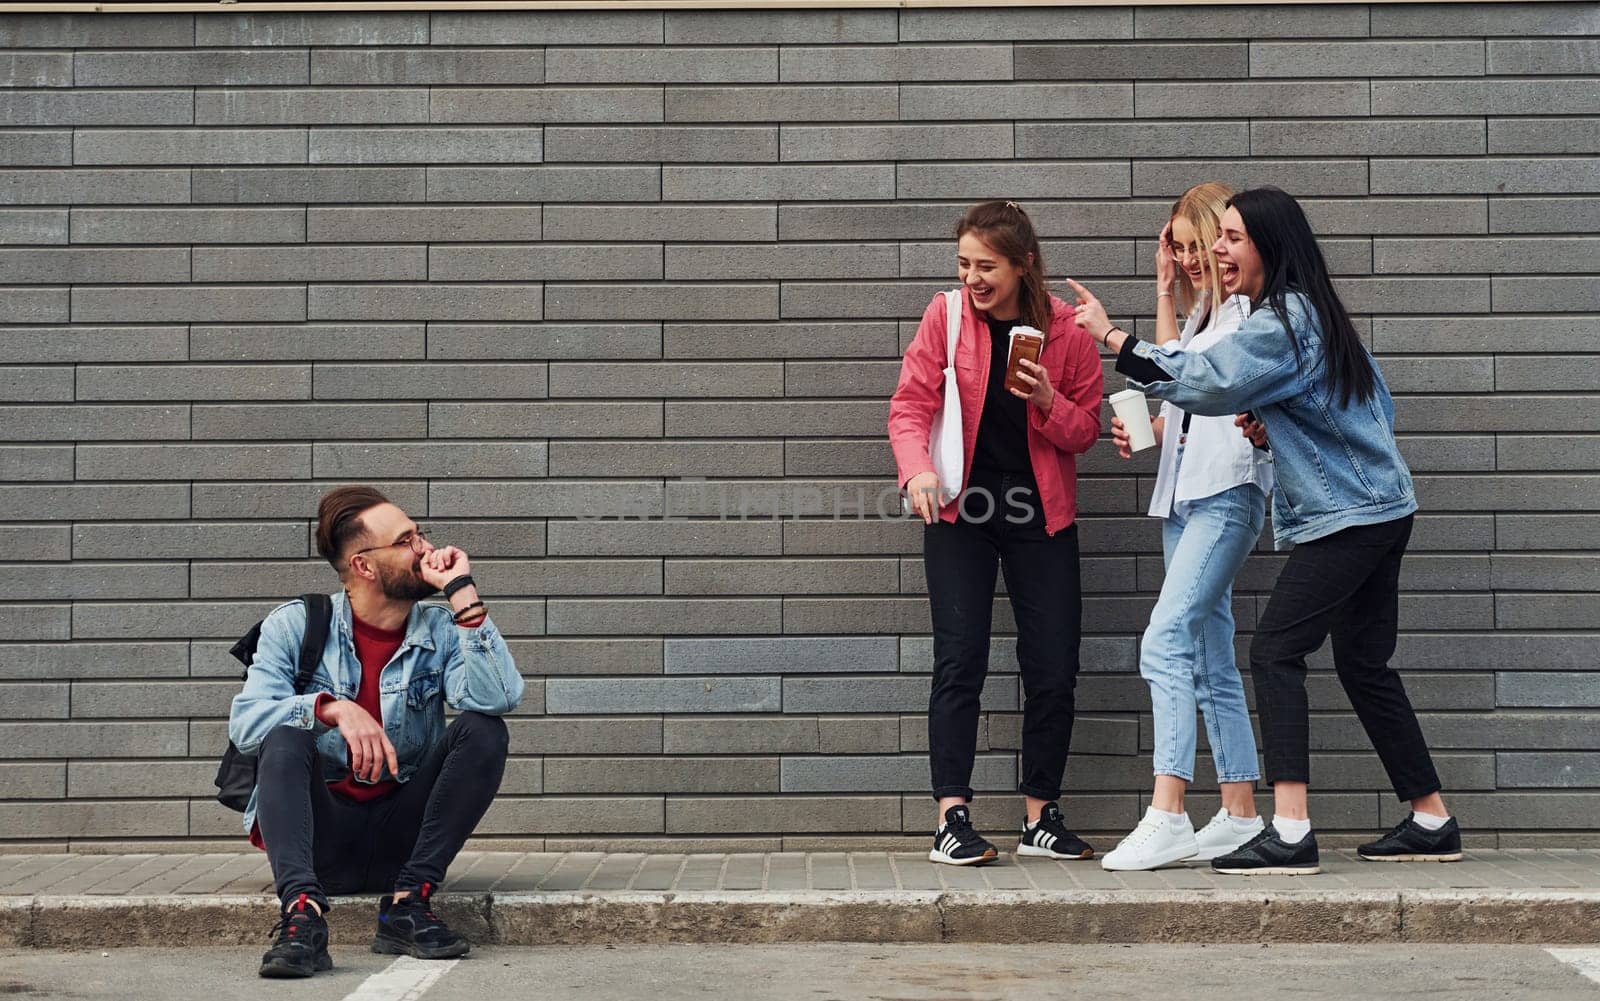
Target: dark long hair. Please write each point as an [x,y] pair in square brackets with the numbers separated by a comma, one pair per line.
[1009,232]
[1291,261]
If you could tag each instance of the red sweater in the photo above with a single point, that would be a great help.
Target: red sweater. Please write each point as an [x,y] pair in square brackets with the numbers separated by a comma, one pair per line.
[374,648]
[1054,441]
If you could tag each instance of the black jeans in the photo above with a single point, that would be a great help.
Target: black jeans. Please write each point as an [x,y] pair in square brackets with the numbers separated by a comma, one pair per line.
[319,842]
[961,560]
[1347,583]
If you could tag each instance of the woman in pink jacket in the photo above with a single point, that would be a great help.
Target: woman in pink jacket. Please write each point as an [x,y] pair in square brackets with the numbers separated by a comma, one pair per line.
[1016,508]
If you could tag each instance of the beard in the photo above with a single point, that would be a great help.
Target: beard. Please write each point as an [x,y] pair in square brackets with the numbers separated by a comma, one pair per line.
[404,585]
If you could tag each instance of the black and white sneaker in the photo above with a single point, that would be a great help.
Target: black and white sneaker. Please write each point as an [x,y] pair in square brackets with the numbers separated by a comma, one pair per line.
[956,843]
[1411,842]
[1266,854]
[1049,837]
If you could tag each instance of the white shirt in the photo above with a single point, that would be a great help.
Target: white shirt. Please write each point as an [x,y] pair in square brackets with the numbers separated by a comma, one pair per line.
[1216,457]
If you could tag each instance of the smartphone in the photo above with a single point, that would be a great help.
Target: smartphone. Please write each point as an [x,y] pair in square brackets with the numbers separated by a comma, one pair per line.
[1026,342]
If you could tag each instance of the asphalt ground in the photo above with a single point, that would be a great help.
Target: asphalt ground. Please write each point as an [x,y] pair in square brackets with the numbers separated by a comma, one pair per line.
[830,973]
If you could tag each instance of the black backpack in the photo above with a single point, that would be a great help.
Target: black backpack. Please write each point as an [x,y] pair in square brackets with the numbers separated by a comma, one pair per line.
[236,775]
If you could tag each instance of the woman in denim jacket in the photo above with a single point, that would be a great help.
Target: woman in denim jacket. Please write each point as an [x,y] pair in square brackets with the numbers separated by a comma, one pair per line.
[1211,495]
[1344,498]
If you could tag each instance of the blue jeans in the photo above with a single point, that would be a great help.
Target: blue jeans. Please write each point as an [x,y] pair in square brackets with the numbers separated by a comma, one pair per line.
[1187,653]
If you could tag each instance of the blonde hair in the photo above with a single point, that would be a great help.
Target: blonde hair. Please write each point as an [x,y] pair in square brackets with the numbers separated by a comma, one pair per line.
[1202,206]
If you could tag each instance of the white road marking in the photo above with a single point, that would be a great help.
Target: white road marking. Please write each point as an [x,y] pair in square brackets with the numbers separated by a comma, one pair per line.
[405,979]
[1585,961]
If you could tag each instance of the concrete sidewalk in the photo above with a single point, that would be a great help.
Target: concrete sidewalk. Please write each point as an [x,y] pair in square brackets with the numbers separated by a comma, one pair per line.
[512,898]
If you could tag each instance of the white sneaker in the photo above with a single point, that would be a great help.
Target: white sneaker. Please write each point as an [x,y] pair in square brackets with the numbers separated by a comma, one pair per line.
[1154,843]
[1222,836]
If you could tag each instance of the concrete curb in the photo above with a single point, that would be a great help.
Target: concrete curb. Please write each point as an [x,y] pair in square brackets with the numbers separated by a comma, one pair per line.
[1543,916]
[1506,916]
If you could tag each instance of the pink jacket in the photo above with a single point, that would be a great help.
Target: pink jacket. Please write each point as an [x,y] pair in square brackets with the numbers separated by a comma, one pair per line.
[1054,440]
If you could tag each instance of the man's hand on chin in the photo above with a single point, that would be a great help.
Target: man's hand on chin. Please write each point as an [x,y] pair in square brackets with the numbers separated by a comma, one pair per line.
[441,566]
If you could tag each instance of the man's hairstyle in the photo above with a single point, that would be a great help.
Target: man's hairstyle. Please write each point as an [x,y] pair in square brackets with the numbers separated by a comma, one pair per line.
[339,520]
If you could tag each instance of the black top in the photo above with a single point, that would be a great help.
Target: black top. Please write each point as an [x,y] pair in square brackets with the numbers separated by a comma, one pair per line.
[1136,368]
[1003,429]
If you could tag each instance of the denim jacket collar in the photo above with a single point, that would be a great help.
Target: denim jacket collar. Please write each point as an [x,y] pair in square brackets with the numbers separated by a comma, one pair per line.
[418,634]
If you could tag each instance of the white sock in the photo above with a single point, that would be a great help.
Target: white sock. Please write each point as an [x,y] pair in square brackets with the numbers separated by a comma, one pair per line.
[1292,832]
[1242,824]
[1172,819]
[1429,821]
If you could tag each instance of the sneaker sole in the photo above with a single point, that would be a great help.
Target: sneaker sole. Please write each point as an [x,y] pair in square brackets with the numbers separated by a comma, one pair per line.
[284,971]
[1160,863]
[1447,857]
[385,947]
[1034,851]
[1276,870]
[942,858]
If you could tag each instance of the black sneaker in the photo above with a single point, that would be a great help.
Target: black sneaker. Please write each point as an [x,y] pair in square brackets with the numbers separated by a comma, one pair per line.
[1049,838]
[1266,854]
[409,927]
[1411,842]
[301,946]
[956,843]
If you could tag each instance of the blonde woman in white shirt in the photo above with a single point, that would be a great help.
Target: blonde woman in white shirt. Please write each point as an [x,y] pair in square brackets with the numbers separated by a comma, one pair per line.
[1211,494]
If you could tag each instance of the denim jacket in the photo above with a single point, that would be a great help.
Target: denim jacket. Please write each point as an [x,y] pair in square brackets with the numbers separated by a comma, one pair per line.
[1337,466]
[470,669]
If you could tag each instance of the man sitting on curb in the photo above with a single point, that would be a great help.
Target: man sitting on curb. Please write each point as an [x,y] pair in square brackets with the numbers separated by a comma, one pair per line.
[360,786]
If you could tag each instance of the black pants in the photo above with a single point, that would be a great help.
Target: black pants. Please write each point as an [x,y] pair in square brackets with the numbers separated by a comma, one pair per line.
[319,842]
[961,560]
[1347,583]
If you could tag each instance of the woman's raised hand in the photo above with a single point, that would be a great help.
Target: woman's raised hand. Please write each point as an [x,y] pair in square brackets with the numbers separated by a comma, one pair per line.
[1166,266]
[1090,314]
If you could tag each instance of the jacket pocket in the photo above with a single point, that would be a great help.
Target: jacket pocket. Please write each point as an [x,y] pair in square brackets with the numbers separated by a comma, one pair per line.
[424,688]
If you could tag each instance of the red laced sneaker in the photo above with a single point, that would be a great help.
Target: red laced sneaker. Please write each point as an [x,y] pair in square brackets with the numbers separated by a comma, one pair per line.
[300,946]
[408,927]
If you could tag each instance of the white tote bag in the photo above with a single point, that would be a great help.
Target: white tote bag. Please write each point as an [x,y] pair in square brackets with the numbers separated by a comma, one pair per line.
[944,443]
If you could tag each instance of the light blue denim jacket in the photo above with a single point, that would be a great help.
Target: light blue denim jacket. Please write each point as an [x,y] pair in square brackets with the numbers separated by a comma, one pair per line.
[470,669]
[1337,466]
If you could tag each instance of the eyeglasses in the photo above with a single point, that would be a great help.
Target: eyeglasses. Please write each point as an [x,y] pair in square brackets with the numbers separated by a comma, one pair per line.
[415,539]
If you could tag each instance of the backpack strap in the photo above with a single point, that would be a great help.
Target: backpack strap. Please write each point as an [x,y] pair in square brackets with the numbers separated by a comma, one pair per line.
[319,616]
[244,651]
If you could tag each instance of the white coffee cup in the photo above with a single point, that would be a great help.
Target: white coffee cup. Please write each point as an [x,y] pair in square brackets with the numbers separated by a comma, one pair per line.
[1130,405]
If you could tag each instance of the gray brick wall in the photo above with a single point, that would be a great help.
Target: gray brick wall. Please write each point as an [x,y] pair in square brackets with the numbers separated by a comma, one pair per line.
[580,288]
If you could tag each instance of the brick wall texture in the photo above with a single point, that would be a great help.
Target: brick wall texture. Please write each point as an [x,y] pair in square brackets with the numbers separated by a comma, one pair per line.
[579,288]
